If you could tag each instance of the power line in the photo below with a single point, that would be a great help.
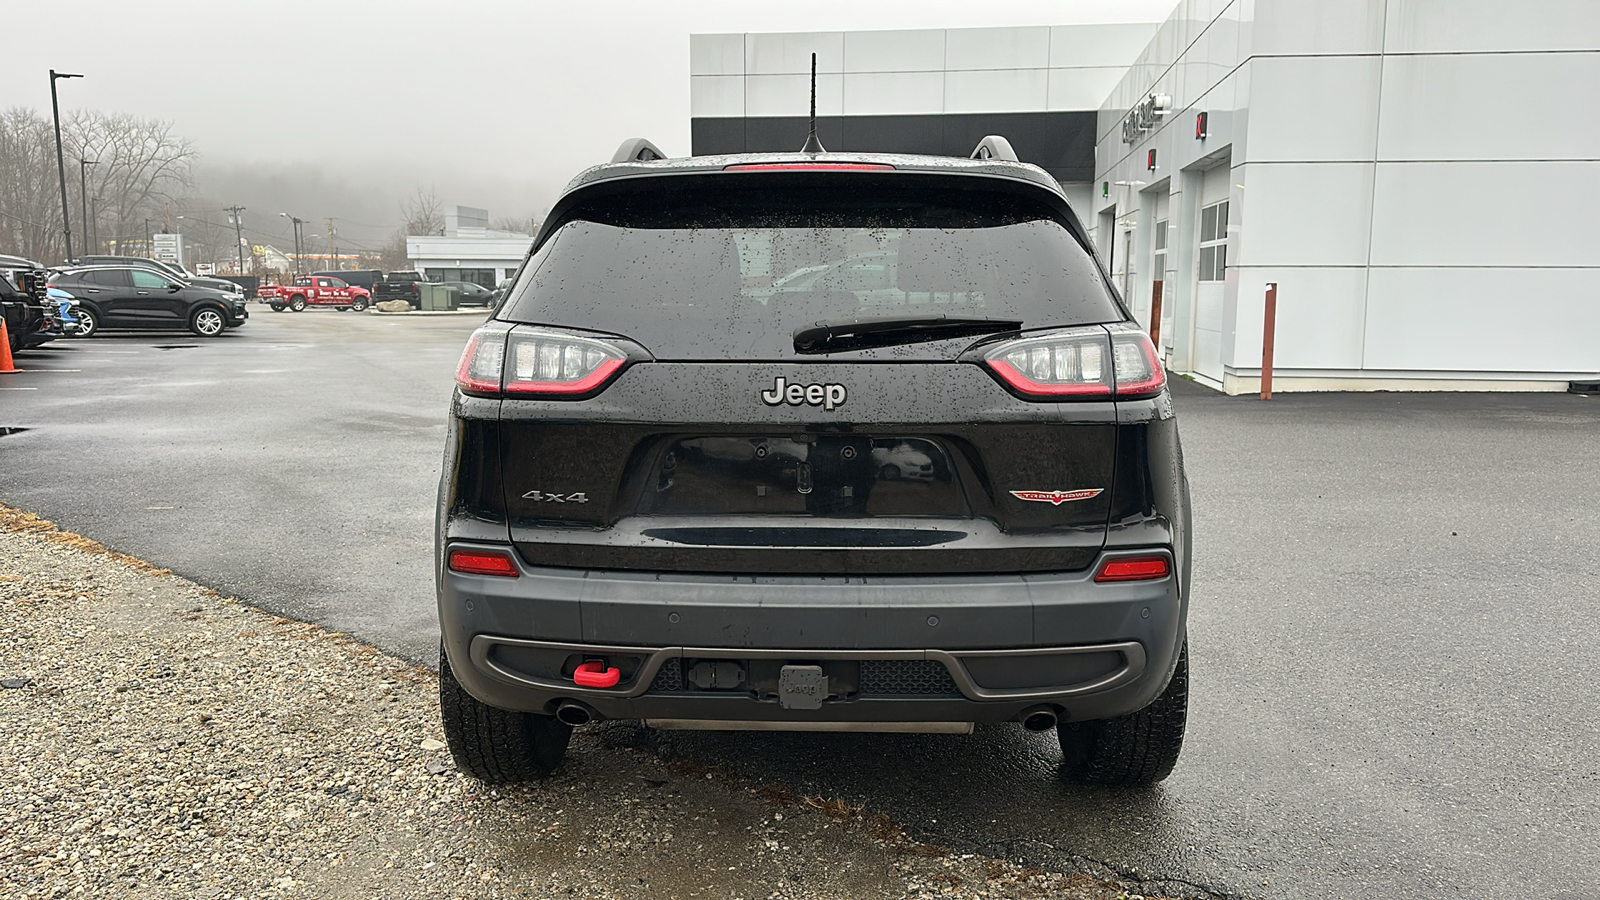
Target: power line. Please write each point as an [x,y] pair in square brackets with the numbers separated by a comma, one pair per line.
[28,221]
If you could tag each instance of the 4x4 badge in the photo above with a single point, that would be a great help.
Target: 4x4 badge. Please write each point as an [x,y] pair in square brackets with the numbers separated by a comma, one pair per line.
[1058,497]
[547,497]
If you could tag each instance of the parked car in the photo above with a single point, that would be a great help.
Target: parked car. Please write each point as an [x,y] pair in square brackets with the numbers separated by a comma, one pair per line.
[361,278]
[400,286]
[65,307]
[133,297]
[501,287]
[664,500]
[24,304]
[314,290]
[205,281]
[472,293]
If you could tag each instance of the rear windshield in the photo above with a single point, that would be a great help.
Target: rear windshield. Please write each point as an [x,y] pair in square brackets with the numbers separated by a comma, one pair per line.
[703,274]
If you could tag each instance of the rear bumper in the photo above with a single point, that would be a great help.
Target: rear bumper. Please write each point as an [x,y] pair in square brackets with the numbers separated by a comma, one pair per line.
[894,648]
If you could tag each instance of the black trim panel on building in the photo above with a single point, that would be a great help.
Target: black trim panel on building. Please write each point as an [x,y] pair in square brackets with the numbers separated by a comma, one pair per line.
[1062,143]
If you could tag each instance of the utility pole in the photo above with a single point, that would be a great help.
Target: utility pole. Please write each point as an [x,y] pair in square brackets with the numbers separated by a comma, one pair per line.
[297,251]
[147,238]
[238,233]
[83,194]
[333,242]
[61,165]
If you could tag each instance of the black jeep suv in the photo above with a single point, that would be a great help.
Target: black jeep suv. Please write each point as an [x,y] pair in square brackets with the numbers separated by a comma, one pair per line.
[933,482]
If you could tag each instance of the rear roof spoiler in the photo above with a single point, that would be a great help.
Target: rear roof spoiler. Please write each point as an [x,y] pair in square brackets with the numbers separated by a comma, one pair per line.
[637,150]
[995,147]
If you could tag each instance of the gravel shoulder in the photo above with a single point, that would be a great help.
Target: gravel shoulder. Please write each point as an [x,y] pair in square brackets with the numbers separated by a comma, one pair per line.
[163,740]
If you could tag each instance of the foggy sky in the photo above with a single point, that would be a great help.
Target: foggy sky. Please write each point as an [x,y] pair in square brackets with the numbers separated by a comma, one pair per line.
[332,107]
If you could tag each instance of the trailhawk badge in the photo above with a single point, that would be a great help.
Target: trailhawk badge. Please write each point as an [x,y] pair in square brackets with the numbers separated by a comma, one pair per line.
[827,396]
[1057,498]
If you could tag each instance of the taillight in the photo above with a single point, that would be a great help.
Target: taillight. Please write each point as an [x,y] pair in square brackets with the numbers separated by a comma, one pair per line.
[483,562]
[540,362]
[479,370]
[1079,363]
[1063,364]
[1138,367]
[533,362]
[1133,568]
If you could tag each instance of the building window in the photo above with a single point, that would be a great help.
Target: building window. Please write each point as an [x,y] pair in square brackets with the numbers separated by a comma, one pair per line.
[1214,241]
[1160,261]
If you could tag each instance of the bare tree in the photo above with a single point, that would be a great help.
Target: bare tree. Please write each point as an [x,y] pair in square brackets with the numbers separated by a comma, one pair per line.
[207,237]
[30,207]
[393,256]
[423,212]
[524,225]
[140,166]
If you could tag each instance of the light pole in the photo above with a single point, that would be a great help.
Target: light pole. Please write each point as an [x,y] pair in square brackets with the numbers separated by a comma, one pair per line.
[147,238]
[83,194]
[61,164]
[94,223]
[178,230]
[297,223]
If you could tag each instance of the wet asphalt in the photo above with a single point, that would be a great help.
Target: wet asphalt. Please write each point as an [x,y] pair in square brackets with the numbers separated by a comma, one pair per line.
[1393,634]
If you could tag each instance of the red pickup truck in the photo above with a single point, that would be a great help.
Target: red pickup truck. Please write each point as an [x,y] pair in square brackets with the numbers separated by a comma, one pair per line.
[314,290]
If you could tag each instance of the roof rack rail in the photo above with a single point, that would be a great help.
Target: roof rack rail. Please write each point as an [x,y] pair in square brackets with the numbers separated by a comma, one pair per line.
[637,150]
[995,147]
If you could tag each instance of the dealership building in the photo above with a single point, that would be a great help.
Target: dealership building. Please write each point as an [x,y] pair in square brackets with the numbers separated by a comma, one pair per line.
[1415,177]
[467,249]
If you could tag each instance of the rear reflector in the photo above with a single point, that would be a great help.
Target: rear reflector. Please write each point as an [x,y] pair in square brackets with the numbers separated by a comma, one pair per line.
[1133,568]
[809,167]
[482,562]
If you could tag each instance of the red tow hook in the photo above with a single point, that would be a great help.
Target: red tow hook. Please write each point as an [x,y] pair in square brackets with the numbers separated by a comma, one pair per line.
[595,674]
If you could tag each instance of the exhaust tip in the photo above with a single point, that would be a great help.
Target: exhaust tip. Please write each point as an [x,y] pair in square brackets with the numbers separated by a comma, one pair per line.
[574,714]
[1041,718]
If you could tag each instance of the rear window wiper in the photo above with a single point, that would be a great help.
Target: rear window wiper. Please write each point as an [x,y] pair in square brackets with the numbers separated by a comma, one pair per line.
[858,334]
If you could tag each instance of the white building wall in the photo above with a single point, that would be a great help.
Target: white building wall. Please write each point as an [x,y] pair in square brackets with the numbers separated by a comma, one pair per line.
[1411,173]
[982,70]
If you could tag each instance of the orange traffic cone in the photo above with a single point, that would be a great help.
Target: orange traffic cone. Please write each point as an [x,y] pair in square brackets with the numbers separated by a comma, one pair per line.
[5,349]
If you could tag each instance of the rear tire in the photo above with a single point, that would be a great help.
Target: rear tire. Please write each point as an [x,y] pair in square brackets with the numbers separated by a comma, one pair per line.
[297,303]
[360,305]
[493,745]
[1132,750]
[277,306]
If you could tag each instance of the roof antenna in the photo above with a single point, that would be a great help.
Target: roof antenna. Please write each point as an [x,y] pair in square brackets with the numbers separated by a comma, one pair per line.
[812,144]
